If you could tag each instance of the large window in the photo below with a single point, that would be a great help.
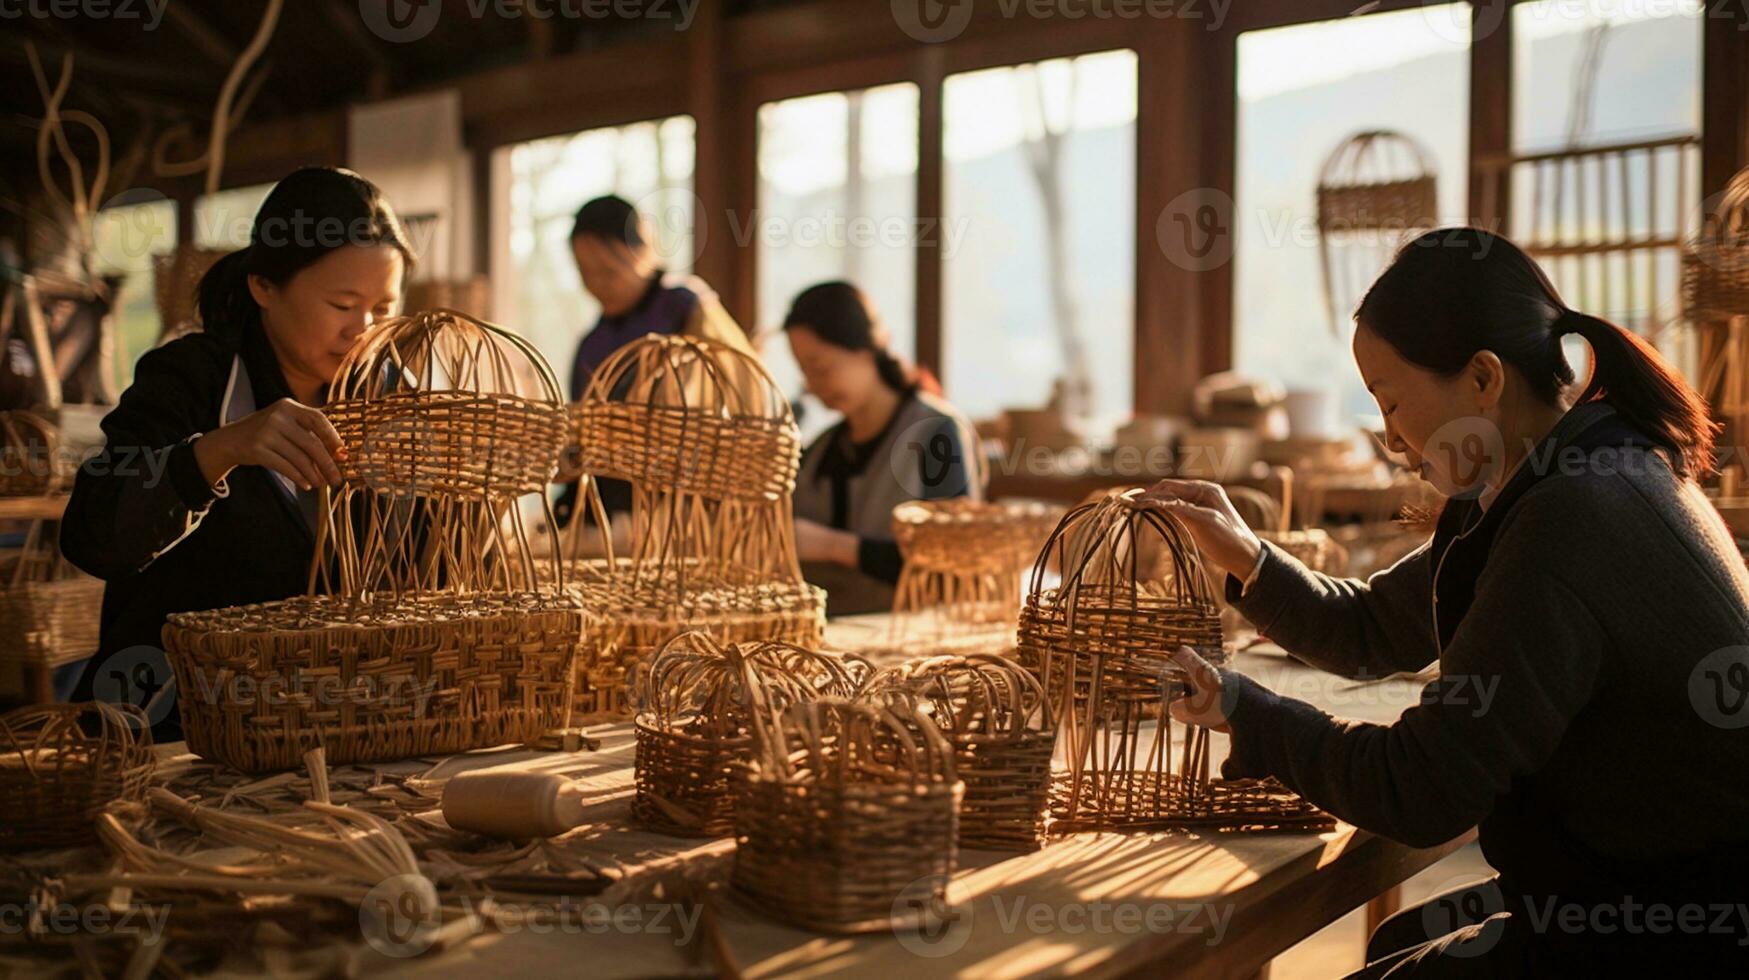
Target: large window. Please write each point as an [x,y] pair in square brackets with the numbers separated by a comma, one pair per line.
[538,187]
[1038,239]
[1304,91]
[127,238]
[225,219]
[837,200]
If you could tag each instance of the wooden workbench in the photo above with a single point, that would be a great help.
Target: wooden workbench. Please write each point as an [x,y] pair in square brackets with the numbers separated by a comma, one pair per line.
[1090,904]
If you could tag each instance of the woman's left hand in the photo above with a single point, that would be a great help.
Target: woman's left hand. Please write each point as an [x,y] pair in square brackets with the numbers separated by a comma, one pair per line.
[817,542]
[1202,704]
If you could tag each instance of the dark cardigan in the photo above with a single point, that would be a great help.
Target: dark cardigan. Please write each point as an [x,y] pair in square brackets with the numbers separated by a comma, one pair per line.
[1564,722]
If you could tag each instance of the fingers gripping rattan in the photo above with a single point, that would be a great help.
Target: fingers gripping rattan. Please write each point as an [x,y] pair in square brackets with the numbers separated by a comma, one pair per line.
[697,703]
[846,808]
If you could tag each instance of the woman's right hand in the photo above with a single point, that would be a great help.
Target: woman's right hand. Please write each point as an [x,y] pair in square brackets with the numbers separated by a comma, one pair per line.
[289,438]
[1202,507]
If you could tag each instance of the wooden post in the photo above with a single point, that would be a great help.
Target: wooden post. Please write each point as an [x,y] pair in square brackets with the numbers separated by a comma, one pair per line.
[1490,113]
[931,209]
[1724,131]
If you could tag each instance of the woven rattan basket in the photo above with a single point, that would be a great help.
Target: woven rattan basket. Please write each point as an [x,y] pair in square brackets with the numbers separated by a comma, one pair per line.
[175,279]
[698,701]
[995,715]
[410,643]
[1375,191]
[31,463]
[1100,642]
[847,808]
[709,445]
[964,560]
[56,776]
[48,608]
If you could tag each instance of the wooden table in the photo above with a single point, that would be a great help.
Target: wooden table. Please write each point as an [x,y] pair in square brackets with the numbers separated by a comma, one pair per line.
[1088,905]
[49,508]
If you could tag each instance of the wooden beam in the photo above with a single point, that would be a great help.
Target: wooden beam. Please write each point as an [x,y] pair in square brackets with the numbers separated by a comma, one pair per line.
[1724,85]
[1490,200]
[929,75]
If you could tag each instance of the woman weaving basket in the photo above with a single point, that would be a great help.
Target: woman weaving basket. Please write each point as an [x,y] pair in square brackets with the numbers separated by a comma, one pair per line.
[1584,603]
[899,441]
[206,492]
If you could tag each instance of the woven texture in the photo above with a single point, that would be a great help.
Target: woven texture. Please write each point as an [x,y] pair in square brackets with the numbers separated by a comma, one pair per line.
[996,717]
[697,705]
[48,608]
[56,777]
[434,443]
[30,460]
[175,280]
[964,560]
[847,808]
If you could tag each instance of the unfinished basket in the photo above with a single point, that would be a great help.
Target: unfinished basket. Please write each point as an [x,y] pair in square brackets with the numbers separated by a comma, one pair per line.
[30,459]
[697,705]
[709,445]
[846,808]
[443,631]
[48,608]
[964,560]
[1377,189]
[57,775]
[1100,643]
[996,716]
[175,280]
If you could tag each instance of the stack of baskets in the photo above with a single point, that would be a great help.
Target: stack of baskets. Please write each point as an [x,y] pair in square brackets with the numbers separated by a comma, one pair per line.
[57,776]
[997,719]
[1100,644]
[848,817]
[439,634]
[707,441]
[698,705]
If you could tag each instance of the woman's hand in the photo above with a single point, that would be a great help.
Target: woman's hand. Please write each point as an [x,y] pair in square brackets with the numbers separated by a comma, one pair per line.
[817,542]
[1221,534]
[291,439]
[1202,704]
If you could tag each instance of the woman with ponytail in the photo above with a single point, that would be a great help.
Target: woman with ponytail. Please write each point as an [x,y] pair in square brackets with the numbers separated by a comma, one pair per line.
[1588,612]
[206,491]
[899,441]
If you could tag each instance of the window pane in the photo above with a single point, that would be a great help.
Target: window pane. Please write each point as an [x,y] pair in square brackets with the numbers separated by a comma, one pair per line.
[224,220]
[539,187]
[1039,236]
[1406,72]
[127,237]
[837,200]
[1642,62]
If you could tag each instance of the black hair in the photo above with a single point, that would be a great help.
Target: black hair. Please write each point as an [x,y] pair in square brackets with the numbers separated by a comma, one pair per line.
[1455,291]
[611,219]
[310,213]
[841,315]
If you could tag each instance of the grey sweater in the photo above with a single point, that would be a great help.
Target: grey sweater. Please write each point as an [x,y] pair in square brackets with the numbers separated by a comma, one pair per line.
[1568,721]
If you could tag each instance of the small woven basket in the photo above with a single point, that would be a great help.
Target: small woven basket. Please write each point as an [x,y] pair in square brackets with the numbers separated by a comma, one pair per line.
[48,608]
[964,559]
[995,715]
[175,281]
[697,703]
[31,464]
[846,809]
[56,777]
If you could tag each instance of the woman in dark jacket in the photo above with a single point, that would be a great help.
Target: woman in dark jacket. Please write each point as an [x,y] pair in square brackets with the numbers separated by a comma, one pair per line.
[205,493]
[1585,604]
[898,441]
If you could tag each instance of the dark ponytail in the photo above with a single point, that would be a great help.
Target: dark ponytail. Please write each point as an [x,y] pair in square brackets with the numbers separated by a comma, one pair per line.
[841,315]
[1452,292]
[307,215]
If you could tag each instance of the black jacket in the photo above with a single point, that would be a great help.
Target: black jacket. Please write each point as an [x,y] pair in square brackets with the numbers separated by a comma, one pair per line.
[143,518]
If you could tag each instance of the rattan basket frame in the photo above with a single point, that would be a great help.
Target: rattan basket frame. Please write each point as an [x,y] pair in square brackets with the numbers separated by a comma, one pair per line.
[56,779]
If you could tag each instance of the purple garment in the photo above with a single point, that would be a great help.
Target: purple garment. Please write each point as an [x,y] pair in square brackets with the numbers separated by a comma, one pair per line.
[664,309]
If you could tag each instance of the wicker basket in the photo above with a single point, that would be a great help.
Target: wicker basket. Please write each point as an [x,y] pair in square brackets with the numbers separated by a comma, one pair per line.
[56,777]
[964,560]
[995,715]
[31,463]
[175,281]
[48,608]
[367,680]
[695,723]
[847,809]
[432,642]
